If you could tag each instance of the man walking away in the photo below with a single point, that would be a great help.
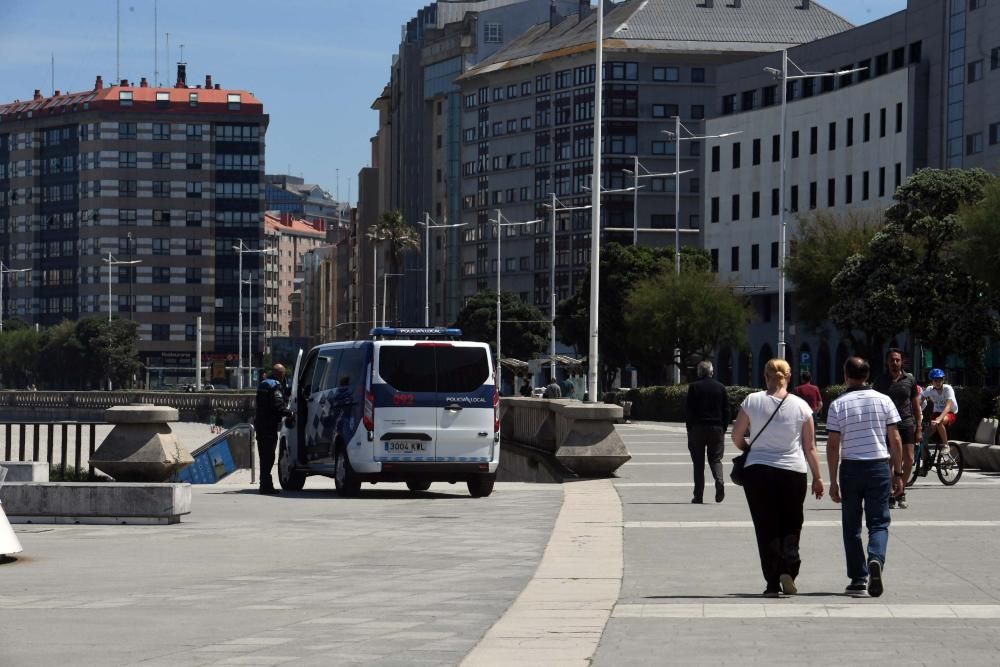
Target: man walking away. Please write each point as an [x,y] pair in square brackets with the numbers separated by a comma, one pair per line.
[706,419]
[271,409]
[901,388]
[552,390]
[809,393]
[858,424]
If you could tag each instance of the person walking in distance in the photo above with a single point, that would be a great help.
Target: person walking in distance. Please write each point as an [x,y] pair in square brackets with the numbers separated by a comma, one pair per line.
[809,393]
[271,409]
[707,418]
[901,388]
[863,442]
[782,448]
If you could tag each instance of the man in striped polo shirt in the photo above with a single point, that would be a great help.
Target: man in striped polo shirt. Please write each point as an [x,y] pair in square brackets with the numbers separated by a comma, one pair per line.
[858,424]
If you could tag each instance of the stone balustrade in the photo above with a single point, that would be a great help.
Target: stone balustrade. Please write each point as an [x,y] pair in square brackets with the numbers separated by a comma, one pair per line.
[578,437]
[90,405]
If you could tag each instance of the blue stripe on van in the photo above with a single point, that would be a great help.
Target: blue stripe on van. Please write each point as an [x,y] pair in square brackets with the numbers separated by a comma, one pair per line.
[435,459]
[387,396]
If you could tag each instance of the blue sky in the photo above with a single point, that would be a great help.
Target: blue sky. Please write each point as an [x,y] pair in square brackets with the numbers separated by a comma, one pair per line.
[316,64]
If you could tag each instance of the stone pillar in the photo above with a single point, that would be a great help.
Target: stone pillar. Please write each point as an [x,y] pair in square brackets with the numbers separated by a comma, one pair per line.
[141,447]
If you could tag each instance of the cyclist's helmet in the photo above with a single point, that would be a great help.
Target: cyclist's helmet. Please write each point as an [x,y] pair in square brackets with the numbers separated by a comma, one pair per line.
[936,374]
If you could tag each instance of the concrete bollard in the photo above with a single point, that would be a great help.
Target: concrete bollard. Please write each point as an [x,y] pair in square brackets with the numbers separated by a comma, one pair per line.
[141,447]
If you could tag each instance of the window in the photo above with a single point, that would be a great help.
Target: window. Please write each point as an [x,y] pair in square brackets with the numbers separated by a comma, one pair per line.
[728,105]
[831,143]
[976,4]
[735,208]
[994,134]
[715,209]
[161,131]
[899,169]
[755,150]
[697,75]
[795,144]
[755,256]
[161,218]
[126,216]
[775,204]
[193,160]
[193,189]
[161,304]
[192,275]
[749,100]
[974,143]
[161,246]
[715,260]
[812,195]
[775,148]
[671,74]
[849,133]
[192,246]
[915,51]
[864,186]
[899,117]
[793,205]
[881,181]
[193,100]
[831,191]
[192,218]
[995,58]
[848,189]
[736,155]
[125,98]
[755,205]
[126,188]
[881,64]
[192,304]
[866,132]
[493,33]
[734,259]
[161,274]
[697,111]
[126,160]
[194,132]
[126,130]
[975,71]
[233,101]
[161,332]
[716,153]
[161,160]
[881,122]
[813,140]
[774,254]
[770,93]
[664,110]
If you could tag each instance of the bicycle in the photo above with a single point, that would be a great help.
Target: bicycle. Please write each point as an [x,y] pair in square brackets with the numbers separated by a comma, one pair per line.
[947,459]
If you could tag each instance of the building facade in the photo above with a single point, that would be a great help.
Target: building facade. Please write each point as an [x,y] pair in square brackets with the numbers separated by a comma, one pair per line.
[528,119]
[169,177]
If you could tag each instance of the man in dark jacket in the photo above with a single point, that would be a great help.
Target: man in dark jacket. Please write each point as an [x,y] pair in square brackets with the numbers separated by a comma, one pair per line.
[271,409]
[707,419]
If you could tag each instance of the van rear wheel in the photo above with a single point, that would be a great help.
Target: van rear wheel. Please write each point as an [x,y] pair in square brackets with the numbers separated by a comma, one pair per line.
[418,485]
[343,477]
[289,478]
[482,486]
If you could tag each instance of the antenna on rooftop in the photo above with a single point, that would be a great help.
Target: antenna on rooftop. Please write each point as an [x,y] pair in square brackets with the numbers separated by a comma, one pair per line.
[156,54]
[166,63]
[338,185]
[53,73]
[118,41]
[182,53]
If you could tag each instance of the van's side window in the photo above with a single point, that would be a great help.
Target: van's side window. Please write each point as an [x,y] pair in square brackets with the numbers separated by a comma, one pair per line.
[328,380]
[305,380]
[316,382]
[352,367]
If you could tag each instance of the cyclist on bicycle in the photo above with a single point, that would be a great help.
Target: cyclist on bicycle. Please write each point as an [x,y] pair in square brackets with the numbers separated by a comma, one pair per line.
[945,405]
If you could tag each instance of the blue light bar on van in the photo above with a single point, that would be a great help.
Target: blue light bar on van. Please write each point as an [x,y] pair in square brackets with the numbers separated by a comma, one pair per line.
[414,332]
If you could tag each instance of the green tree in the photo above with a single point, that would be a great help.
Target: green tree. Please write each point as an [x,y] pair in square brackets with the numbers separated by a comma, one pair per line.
[694,309]
[19,355]
[524,331]
[622,267]
[979,249]
[822,245]
[912,276]
[400,238]
[64,358]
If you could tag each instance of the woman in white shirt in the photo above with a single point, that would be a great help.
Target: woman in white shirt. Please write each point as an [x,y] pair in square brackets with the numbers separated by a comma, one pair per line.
[784,447]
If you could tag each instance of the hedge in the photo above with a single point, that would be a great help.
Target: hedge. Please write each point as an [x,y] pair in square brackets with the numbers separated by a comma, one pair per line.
[669,404]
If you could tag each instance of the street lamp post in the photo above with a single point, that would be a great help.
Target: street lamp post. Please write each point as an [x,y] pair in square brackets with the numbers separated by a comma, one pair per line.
[385,292]
[500,225]
[242,249]
[555,206]
[3,273]
[427,225]
[111,261]
[784,77]
[595,219]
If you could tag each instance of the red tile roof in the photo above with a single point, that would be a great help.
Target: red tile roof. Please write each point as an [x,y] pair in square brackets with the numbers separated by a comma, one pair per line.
[280,224]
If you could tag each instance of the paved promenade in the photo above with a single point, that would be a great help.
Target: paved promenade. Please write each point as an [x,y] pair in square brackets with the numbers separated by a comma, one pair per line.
[605,572]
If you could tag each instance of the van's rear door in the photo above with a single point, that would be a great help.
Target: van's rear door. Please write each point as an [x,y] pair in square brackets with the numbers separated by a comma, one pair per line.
[405,402]
[465,395]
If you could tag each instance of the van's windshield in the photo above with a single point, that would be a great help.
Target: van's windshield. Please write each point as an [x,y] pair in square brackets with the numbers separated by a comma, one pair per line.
[434,369]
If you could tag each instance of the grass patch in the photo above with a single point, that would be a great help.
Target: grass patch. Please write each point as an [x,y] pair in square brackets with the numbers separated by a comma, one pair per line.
[74,475]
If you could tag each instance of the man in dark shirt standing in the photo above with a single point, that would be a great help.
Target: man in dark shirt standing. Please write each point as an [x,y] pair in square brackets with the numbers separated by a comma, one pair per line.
[901,387]
[809,393]
[706,421]
[270,410]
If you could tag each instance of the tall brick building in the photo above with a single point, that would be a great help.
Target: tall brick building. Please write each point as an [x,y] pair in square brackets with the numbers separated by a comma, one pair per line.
[172,177]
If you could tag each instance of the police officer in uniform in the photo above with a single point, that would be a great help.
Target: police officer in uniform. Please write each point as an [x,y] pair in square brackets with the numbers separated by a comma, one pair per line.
[271,409]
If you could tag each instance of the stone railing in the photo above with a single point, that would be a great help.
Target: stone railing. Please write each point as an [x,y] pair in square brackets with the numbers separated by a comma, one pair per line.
[579,437]
[90,405]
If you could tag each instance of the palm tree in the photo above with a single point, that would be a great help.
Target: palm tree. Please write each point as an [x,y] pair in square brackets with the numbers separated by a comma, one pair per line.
[402,238]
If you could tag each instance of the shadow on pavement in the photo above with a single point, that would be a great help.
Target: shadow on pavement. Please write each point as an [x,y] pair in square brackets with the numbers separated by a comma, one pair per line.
[401,494]
[730,596]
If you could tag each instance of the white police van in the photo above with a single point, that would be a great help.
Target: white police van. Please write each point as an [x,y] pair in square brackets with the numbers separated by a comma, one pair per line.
[414,405]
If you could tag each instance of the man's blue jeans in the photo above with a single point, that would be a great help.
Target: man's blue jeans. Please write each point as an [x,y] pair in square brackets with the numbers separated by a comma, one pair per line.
[864,485]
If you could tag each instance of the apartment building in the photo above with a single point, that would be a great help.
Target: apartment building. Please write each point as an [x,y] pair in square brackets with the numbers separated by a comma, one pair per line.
[171,178]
